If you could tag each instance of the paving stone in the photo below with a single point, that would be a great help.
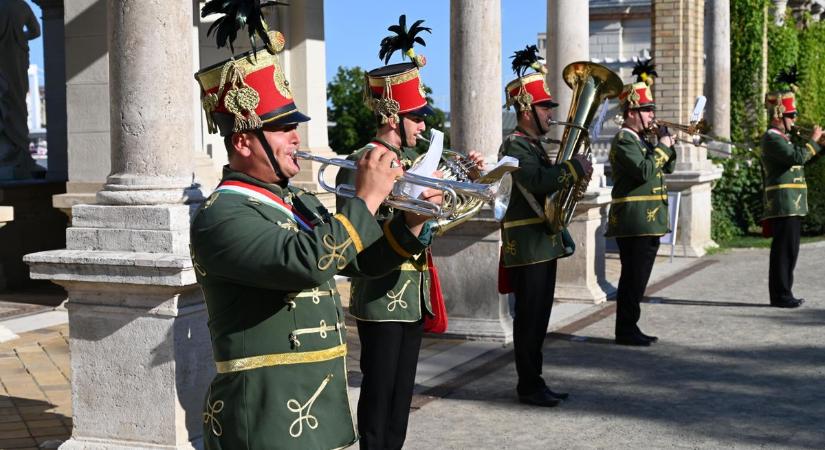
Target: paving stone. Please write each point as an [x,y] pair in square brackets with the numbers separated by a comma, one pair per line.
[8,444]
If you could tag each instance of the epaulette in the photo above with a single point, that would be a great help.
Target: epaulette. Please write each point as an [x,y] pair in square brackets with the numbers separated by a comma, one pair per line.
[361,150]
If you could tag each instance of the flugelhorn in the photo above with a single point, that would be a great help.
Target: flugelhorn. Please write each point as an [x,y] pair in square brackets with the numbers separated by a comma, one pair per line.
[452,190]
[457,167]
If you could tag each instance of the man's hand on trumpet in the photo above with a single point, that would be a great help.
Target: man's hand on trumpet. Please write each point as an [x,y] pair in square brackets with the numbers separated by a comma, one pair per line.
[585,163]
[816,135]
[664,136]
[375,176]
[415,222]
[478,160]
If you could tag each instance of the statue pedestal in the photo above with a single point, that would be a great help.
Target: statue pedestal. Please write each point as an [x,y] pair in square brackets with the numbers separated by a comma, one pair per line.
[581,278]
[36,227]
[693,177]
[467,262]
[132,293]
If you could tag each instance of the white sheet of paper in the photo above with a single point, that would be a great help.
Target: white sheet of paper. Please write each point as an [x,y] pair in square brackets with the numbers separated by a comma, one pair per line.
[426,167]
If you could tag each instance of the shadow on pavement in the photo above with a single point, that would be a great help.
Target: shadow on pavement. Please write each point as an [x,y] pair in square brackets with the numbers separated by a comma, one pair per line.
[29,423]
[684,302]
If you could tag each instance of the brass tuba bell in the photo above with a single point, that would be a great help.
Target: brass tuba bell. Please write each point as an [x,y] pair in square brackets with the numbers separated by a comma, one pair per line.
[591,84]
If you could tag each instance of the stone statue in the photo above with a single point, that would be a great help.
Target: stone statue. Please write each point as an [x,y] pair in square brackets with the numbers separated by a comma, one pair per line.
[18,26]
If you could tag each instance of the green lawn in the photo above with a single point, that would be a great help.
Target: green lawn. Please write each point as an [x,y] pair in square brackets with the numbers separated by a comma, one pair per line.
[754,241]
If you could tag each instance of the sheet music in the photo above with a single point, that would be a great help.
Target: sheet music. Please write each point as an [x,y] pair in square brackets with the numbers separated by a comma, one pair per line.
[698,109]
[425,168]
[596,129]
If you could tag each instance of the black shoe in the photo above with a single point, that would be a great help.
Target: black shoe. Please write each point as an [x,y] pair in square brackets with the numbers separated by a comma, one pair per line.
[539,398]
[652,339]
[558,395]
[633,340]
[793,303]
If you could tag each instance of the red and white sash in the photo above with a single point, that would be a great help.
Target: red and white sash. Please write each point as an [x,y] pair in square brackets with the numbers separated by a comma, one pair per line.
[265,196]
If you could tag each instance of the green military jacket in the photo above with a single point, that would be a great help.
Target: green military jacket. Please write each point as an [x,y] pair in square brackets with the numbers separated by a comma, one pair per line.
[525,236]
[275,318]
[783,176]
[639,204]
[399,295]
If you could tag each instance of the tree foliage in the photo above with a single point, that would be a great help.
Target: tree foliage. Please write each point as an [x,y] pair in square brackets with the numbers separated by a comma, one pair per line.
[354,123]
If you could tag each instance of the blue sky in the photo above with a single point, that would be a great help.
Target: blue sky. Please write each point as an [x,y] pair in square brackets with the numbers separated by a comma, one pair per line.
[354,29]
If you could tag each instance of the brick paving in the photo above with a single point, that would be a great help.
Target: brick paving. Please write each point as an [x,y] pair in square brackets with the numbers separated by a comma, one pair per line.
[35,392]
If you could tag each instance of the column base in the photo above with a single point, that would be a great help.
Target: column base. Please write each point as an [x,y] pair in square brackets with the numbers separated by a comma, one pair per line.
[100,444]
[581,277]
[476,310]
[694,177]
[480,329]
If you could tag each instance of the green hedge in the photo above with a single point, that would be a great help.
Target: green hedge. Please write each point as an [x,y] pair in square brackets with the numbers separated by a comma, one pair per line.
[811,104]
[737,196]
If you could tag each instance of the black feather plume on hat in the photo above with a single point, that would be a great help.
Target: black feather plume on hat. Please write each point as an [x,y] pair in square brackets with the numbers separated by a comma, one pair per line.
[645,71]
[527,59]
[238,14]
[403,39]
[787,78]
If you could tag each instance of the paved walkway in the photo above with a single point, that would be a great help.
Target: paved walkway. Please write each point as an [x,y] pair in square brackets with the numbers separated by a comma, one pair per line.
[728,372]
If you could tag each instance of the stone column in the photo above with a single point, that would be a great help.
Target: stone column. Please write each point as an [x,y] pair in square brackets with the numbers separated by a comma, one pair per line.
[717,72]
[568,40]
[678,49]
[477,310]
[141,359]
[580,278]
[87,101]
[55,70]
[303,25]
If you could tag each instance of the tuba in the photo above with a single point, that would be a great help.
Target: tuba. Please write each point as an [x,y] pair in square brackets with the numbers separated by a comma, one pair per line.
[591,84]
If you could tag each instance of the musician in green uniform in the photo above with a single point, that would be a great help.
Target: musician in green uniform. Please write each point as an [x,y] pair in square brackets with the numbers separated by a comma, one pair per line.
[390,310]
[638,214]
[785,193]
[265,254]
[529,249]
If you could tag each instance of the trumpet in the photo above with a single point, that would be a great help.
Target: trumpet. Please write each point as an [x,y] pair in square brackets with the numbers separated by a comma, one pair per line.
[495,192]
[698,132]
[807,132]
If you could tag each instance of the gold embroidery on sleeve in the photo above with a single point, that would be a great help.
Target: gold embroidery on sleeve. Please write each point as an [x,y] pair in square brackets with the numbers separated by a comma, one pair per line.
[335,255]
[209,416]
[511,247]
[796,202]
[303,411]
[397,299]
[195,264]
[292,226]
[211,199]
[651,213]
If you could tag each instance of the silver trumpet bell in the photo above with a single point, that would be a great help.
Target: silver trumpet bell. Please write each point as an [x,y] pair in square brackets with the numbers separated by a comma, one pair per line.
[497,193]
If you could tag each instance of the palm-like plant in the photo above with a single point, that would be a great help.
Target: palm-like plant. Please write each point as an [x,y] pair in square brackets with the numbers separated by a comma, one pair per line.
[526,59]
[403,39]
[238,14]
[645,71]
[788,77]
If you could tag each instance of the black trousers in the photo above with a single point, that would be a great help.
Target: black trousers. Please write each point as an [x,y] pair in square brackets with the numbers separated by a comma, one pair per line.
[389,356]
[533,286]
[784,252]
[637,254]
